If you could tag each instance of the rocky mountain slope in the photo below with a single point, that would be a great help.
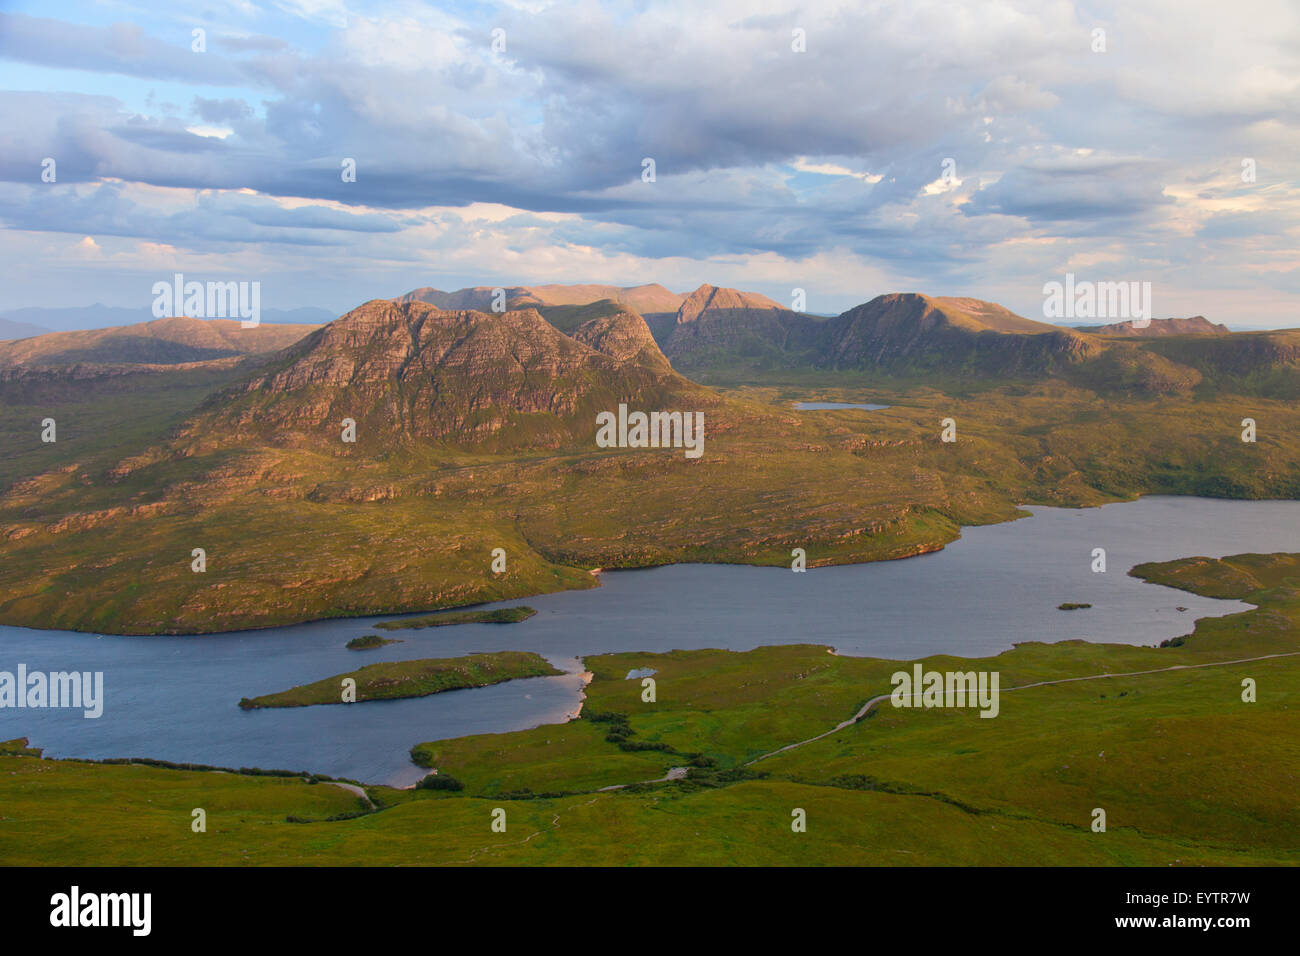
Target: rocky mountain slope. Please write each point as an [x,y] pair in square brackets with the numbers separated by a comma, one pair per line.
[719,326]
[410,372]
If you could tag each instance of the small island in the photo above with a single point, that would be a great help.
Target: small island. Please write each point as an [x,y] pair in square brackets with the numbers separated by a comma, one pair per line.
[502,615]
[1070,606]
[367,641]
[393,680]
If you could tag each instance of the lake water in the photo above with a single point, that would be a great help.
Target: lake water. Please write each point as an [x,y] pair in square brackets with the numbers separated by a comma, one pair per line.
[823,406]
[176,698]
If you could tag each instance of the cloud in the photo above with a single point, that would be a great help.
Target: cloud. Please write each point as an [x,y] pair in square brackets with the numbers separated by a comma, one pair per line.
[764,155]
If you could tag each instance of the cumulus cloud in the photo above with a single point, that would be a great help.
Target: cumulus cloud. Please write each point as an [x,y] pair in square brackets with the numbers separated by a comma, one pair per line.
[764,155]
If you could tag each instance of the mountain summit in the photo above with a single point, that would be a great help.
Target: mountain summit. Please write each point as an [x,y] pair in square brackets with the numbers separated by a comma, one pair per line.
[910,332]
[711,301]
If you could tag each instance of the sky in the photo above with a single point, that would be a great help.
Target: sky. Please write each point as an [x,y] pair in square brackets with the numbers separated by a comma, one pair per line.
[845,149]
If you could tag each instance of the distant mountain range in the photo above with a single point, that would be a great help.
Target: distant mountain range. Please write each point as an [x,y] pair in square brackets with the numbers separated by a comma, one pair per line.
[172,341]
[10,329]
[21,323]
[1196,325]
[712,334]
[716,330]
[642,299]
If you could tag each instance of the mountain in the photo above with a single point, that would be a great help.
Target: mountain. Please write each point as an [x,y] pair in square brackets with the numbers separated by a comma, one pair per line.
[652,298]
[640,298]
[899,334]
[102,317]
[716,333]
[411,372]
[171,341]
[710,302]
[623,335]
[904,333]
[10,329]
[718,326]
[1196,325]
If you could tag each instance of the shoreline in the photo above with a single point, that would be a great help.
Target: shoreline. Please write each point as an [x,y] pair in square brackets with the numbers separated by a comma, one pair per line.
[597,573]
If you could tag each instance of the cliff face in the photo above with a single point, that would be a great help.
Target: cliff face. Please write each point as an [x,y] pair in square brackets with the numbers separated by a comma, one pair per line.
[411,372]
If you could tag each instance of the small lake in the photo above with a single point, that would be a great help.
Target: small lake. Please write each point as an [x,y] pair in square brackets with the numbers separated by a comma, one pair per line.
[175,698]
[824,406]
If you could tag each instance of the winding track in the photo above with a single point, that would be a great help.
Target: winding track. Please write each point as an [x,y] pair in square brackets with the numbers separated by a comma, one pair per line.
[1042,683]
[675,774]
[862,712]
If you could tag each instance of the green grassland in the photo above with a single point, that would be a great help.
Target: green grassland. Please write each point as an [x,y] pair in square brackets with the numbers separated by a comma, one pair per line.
[501,615]
[1187,771]
[391,680]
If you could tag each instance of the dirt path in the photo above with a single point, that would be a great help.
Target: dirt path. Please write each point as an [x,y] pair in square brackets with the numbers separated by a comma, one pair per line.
[353,788]
[674,773]
[1042,683]
[677,773]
